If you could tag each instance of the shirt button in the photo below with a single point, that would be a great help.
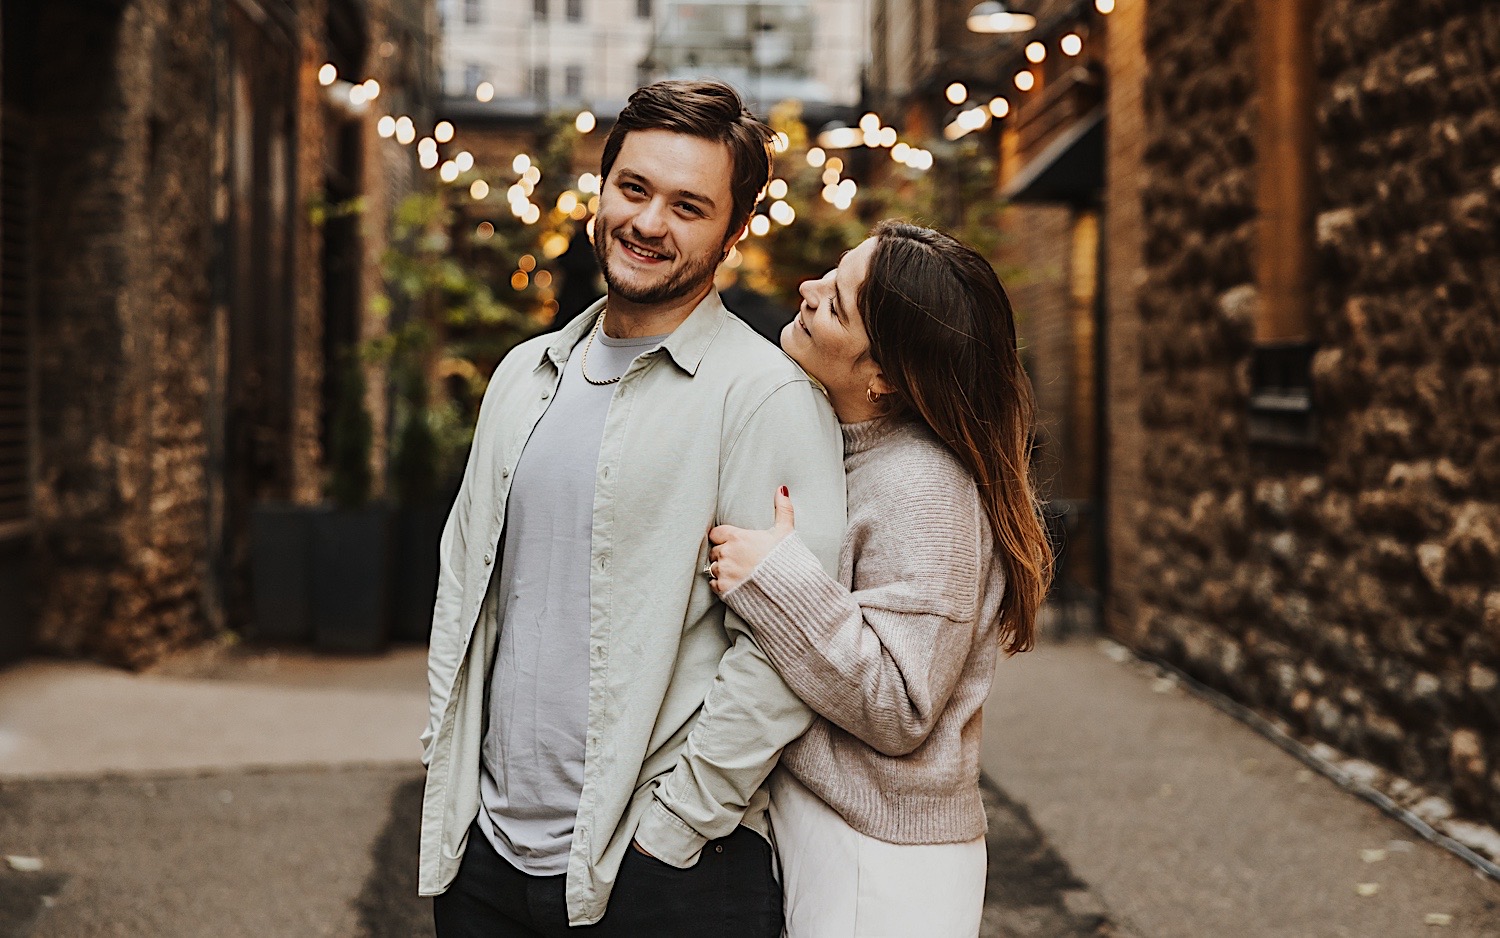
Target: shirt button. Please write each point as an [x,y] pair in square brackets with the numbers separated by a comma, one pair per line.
[488,560]
[719,848]
[505,473]
[546,395]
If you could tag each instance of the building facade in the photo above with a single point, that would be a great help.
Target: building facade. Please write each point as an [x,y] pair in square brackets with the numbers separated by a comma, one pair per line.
[171,301]
[540,56]
[1318,343]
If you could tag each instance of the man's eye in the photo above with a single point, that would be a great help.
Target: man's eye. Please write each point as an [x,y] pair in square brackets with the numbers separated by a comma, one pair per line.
[689,208]
[631,187]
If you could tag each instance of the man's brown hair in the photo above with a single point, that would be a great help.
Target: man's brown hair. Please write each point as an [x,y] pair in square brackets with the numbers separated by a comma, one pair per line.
[713,111]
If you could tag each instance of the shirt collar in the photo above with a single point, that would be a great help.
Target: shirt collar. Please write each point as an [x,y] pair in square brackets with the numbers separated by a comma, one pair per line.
[687,344]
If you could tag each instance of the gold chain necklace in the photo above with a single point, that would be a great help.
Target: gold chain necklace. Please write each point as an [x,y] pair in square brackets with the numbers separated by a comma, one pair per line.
[583,366]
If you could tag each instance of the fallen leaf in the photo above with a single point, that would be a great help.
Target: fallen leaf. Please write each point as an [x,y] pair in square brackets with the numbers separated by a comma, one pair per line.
[24,864]
[1366,889]
[1372,856]
[1438,918]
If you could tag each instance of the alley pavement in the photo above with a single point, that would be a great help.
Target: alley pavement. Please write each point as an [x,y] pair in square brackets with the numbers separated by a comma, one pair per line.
[277,793]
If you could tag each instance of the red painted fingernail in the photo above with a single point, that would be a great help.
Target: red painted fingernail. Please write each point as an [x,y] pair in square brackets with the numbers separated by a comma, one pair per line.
[785,492]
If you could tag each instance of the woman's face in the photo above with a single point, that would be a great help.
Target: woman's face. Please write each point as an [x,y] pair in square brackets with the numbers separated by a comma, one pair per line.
[828,338]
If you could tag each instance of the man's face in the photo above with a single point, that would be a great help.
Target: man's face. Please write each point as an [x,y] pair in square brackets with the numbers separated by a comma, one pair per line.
[663,216]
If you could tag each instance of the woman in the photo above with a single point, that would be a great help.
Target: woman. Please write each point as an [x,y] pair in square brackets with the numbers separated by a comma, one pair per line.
[876,809]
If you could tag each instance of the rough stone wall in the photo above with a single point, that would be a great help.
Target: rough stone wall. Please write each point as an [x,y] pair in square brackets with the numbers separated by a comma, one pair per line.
[122,246]
[1354,591]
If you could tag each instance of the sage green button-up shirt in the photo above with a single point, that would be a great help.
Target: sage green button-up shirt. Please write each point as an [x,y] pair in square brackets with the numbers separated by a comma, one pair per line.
[686,717]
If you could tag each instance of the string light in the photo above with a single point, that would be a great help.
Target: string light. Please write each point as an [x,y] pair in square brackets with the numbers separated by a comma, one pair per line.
[406,131]
[465,161]
[485,92]
[1105,6]
[870,123]
[835,164]
[1036,52]
[782,213]
[520,164]
[527,263]
[830,176]
[957,93]
[588,182]
[372,89]
[887,136]
[543,279]
[427,158]
[1025,80]
[449,171]
[358,96]
[485,231]
[519,280]
[386,126]
[479,190]
[567,202]
[816,157]
[781,142]
[328,74]
[443,132]
[532,175]
[531,215]
[899,152]
[999,107]
[1071,44]
[759,225]
[777,189]
[584,122]
[580,212]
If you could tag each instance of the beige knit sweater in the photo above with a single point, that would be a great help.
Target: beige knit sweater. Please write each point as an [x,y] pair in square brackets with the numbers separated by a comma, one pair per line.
[897,656]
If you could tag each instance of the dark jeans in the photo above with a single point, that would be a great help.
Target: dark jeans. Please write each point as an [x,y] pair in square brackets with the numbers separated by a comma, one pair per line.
[729,892]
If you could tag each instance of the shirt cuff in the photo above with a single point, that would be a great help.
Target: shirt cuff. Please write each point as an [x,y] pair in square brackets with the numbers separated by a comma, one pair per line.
[667,838]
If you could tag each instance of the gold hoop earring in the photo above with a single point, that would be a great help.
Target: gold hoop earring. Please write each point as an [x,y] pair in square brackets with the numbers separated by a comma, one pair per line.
[871,396]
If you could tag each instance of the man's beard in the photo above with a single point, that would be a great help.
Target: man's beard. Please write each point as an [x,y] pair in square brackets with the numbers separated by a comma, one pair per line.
[688,279]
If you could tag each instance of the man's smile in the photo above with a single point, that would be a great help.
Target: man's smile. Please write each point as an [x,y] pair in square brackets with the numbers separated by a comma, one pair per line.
[642,254]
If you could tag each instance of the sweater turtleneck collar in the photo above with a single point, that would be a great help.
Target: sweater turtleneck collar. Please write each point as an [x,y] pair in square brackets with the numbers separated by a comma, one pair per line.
[867,434]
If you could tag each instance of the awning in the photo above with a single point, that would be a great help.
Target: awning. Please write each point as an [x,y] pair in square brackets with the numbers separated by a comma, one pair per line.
[1070,169]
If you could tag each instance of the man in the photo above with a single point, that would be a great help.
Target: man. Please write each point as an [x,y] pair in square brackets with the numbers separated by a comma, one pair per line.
[601,726]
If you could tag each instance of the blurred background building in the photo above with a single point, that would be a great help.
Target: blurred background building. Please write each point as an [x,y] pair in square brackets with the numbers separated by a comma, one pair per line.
[189,209]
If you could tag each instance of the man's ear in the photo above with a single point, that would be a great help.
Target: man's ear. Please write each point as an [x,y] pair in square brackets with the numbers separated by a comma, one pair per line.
[734,238]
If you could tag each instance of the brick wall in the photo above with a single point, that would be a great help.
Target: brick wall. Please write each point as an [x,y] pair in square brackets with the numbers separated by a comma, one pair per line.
[123,247]
[1351,590]
[1124,272]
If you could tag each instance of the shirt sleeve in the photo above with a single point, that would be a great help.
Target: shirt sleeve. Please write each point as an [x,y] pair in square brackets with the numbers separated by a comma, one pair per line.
[750,714]
[880,661]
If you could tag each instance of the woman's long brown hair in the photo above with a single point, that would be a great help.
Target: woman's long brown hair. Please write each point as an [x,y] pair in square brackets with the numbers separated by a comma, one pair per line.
[942,330]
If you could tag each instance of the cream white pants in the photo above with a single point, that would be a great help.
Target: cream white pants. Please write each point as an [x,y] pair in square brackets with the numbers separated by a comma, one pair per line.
[839,883]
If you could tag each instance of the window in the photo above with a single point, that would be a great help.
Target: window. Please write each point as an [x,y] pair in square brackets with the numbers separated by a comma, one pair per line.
[473,12]
[573,82]
[473,75]
[539,9]
[539,82]
[643,9]
[575,11]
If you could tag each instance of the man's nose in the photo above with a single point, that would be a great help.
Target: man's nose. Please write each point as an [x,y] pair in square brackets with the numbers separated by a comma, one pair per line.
[651,222]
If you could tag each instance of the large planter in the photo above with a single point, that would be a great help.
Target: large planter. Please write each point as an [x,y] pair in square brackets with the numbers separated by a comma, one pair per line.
[414,570]
[351,566]
[281,573]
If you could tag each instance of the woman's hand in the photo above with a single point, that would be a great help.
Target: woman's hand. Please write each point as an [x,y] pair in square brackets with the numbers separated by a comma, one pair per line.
[736,551]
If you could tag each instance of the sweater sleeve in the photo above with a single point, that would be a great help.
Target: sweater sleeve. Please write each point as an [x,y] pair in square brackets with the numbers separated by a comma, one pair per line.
[880,661]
